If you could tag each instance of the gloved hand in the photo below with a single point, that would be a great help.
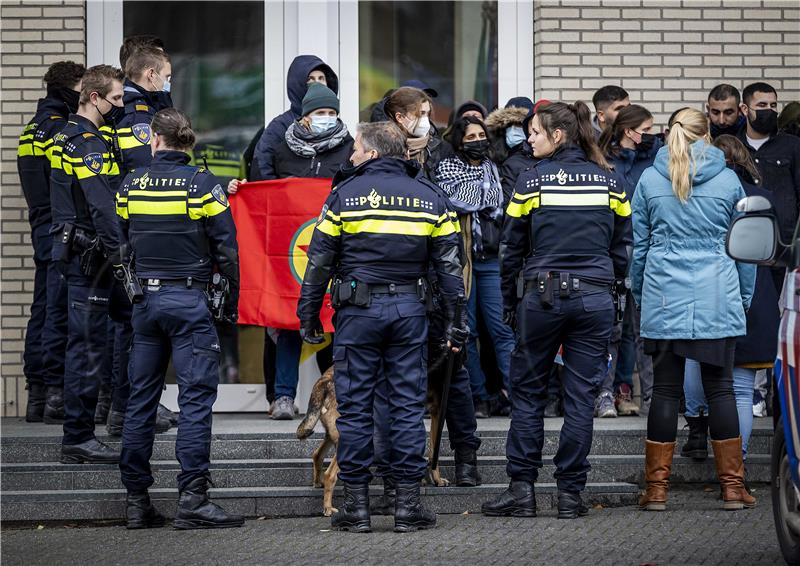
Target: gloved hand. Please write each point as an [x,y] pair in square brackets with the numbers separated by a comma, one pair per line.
[312,331]
[510,318]
[457,335]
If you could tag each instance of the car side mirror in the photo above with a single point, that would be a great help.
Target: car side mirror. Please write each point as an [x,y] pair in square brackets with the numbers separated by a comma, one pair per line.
[753,204]
[753,238]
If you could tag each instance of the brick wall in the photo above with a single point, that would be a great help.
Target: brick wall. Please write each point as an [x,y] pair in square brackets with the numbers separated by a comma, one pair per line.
[34,35]
[665,53]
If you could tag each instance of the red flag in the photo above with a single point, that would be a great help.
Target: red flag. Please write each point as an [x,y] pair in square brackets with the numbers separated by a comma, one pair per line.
[274,224]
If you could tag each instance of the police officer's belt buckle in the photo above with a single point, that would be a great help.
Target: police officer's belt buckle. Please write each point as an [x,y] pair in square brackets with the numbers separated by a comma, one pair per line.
[153,284]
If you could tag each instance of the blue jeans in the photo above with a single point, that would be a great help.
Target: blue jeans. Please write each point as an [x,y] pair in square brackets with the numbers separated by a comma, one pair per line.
[743,382]
[287,363]
[486,296]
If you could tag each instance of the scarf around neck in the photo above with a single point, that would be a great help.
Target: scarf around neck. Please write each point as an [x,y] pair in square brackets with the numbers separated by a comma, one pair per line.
[308,144]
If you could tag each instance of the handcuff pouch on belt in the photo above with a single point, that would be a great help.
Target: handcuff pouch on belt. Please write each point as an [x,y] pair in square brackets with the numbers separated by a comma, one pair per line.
[359,294]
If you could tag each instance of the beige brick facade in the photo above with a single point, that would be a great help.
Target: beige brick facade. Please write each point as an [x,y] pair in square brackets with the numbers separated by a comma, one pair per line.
[34,35]
[666,53]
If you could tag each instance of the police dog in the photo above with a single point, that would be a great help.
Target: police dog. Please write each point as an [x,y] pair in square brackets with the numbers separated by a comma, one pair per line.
[322,408]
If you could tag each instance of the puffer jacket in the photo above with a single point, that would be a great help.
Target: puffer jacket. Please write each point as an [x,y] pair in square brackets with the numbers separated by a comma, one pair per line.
[497,123]
[681,276]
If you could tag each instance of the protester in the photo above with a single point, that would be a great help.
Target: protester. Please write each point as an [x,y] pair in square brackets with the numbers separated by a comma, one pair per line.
[630,147]
[608,101]
[410,108]
[472,183]
[692,296]
[754,351]
[510,142]
[723,110]
[789,119]
[305,69]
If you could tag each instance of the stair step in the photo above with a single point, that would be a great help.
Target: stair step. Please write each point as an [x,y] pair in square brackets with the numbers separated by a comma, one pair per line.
[297,472]
[17,449]
[83,505]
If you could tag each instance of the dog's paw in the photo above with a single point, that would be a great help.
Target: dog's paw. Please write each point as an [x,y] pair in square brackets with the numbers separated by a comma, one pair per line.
[329,511]
[318,484]
[441,482]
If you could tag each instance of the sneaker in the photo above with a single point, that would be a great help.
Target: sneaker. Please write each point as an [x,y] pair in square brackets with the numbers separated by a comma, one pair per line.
[604,406]
[760,409]
[283,409]
[481,408]
[623,401]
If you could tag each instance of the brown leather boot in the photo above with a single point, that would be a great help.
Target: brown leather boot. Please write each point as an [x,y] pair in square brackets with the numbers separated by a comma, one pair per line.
[657,466]
[730,470]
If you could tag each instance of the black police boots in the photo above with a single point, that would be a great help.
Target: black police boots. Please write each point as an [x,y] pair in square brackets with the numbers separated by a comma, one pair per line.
[354,512]
[409,513]
[34,411]
[140,511]
[196,511]
[165,413]
[90,452]
[103,405]
[467,468]
[54,405]
[696,446]
[385,504]
[116,420]
[518,500]
[570,505]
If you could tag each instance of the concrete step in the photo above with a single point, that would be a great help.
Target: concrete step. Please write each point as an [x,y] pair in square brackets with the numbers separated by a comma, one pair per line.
[269,446]
[94,505]
[297,473]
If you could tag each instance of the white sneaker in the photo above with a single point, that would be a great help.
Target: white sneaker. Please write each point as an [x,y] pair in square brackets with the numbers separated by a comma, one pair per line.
[760,409]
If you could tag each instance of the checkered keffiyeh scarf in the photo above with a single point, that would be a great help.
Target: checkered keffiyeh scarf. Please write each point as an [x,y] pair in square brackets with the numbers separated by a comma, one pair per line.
[471,190]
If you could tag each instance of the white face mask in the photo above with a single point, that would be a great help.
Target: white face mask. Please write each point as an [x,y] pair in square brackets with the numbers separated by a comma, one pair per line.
[321,124]
[514,136]
[422,128]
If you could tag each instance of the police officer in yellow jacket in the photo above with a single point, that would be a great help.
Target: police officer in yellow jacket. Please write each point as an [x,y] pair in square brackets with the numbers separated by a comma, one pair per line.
[564,244]
[46,335]
[376,236]
[86,239]
[177,227]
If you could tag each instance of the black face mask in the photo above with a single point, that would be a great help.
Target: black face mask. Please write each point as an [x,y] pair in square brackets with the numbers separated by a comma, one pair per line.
[476,150]
[648,140]
[766,121]
[114,115]
[717,130]
[70,98]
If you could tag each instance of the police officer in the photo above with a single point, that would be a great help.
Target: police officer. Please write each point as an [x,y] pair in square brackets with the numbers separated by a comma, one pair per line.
[566,232]
[148,73]
[171,199]
[46,335]
[378,231]
[86,239]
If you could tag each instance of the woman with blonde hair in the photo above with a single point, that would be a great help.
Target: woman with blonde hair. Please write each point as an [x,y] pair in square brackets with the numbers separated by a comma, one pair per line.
[693,298]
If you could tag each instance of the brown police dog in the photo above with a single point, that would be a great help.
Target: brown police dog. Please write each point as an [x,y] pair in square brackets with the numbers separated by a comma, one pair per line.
[322,408]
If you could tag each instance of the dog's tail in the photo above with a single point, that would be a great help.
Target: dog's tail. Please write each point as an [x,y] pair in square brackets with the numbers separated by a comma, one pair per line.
[315,403]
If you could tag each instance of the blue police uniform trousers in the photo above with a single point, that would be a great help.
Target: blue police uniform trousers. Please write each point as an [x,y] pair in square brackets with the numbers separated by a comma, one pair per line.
[172,320]
[382,345]
[582,323]
[46,334]
[91,300]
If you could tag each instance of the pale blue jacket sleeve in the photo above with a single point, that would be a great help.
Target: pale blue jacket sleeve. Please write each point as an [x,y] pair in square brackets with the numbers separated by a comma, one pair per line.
[641,241]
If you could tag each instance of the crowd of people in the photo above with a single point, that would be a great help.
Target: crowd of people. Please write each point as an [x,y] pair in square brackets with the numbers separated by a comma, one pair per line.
[590,250]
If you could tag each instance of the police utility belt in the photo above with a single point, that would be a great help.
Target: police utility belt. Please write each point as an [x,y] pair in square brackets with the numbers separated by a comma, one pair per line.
[357,293]
[548,283]
[79,242]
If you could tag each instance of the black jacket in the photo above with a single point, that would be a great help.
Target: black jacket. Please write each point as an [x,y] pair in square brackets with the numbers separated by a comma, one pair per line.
[567,215]
[519,159]
[778,161]
[384,224]
[33,157]
[286,163]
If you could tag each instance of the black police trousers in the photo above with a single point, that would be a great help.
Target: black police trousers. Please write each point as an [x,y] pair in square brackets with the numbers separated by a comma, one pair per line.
[172,320]
[582,323]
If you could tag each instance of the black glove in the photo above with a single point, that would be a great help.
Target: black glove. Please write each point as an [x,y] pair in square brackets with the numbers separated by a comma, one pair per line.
[510,318]
[457,335]
[312,331]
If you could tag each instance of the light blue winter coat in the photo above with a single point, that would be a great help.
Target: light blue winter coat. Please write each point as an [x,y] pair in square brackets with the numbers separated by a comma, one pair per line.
[681,276]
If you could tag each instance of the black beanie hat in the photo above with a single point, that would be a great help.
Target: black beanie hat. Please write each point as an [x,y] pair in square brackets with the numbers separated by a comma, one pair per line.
[319,96]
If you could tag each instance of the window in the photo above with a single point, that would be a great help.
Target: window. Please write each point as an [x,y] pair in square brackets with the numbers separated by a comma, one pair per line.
[451,46]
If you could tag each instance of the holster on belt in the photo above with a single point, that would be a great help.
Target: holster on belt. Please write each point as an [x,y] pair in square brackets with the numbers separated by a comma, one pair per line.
[544,286]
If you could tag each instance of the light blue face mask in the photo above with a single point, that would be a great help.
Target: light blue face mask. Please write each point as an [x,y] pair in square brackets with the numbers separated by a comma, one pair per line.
[321,124]
[514,136]
[167,86]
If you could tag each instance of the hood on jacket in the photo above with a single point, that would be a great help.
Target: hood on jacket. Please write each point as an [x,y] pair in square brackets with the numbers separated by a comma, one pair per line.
[470,105]
[708,162]
[297,79]
[502,118]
